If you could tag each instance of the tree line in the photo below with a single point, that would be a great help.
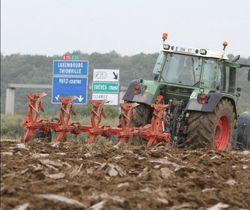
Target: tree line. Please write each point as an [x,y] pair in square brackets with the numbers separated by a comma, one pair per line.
[37,69]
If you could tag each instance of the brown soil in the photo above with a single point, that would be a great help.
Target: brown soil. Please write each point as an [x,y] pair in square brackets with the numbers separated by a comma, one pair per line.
[122,177]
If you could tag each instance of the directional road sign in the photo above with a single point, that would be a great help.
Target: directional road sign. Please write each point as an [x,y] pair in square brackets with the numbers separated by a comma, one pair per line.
[70,78]
[106,75]
[111,98]
[106,85]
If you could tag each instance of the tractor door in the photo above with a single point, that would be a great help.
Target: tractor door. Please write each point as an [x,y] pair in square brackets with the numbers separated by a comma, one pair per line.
[211,74]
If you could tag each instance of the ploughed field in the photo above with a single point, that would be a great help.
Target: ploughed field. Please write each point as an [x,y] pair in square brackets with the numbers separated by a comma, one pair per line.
[76,175]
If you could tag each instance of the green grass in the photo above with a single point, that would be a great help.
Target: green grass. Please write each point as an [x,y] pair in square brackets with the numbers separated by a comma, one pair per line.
[11,126]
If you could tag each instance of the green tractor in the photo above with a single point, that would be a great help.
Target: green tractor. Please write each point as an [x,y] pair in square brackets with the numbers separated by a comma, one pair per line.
[199,87]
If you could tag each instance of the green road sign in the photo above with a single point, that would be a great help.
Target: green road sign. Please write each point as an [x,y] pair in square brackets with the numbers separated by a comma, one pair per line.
[105,87]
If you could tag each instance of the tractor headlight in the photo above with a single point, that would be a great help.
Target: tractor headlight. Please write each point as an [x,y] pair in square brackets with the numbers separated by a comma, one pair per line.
[203,51]
[166,46]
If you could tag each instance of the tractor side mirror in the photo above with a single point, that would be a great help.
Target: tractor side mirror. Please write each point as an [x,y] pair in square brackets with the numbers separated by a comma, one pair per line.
[248,75]
[236,58]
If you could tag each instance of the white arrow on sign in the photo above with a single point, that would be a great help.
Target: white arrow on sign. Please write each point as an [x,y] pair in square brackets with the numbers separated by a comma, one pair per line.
[57,97]
[80,98]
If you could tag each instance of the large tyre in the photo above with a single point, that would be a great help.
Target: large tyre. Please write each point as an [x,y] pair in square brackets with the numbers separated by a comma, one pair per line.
[214,130]
[46,135]
[243,132]
[142,115]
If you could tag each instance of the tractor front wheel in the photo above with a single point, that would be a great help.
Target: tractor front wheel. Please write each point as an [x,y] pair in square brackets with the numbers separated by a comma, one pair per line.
[214,130]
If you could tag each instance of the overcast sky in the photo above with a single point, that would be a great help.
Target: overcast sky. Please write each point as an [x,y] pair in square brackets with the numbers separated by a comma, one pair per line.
[50,27]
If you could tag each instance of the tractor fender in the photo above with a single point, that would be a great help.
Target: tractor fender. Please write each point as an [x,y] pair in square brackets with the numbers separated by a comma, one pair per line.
[148,91]
[213,98]
[243,131]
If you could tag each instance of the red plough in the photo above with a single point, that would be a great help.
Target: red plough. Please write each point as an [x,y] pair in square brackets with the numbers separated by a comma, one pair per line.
[32,122]
[151,132]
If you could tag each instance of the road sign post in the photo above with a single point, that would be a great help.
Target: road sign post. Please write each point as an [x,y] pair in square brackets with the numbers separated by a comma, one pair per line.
[70,78]
[106,85]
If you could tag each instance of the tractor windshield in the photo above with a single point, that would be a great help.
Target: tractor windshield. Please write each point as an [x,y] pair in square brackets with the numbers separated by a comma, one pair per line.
[182,69]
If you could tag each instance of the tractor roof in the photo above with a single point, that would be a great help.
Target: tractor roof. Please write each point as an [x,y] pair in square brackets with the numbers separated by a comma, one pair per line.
[194,52]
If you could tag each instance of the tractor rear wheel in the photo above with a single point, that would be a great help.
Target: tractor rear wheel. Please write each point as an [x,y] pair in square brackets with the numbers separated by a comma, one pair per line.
[215,130]
[142,115]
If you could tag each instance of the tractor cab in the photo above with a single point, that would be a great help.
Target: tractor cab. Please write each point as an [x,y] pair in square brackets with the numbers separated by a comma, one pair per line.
[190,67]
[181,73]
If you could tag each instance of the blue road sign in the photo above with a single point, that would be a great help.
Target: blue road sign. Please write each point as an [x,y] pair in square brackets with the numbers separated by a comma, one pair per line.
[70,67]
[70,78]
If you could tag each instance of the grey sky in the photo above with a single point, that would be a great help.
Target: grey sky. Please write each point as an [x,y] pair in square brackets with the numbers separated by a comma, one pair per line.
[51,27]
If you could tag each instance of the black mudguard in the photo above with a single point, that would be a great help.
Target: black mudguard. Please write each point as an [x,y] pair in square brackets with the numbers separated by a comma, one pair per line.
[142,97]
[243,131]
[213,99]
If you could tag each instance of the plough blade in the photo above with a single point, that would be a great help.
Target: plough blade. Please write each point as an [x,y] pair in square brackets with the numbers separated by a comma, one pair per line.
[64,126]
[127,116]
[96,115]
[31,121]
[29,132]
[156,130]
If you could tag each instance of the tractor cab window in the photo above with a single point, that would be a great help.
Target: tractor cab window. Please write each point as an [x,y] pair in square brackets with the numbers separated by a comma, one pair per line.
[182,69]
[210,73]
